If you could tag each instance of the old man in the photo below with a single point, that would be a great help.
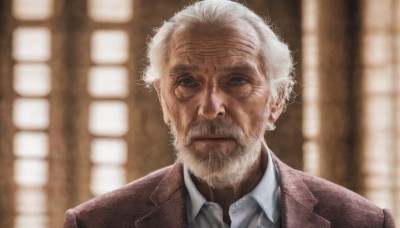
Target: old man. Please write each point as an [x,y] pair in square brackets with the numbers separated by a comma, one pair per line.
[222,78]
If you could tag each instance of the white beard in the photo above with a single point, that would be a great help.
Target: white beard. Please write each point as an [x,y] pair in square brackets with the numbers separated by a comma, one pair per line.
[218,169]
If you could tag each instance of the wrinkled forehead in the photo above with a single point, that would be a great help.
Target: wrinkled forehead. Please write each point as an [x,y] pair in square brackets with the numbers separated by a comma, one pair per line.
[239,29]
[213,41]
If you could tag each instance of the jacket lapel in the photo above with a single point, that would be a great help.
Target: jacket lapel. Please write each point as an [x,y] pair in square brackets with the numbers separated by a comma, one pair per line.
[297,201]
[169,202]
[169,210]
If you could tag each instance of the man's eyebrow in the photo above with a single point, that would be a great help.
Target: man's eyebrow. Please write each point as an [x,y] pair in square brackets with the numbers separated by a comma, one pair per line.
[241,69]
[182,69]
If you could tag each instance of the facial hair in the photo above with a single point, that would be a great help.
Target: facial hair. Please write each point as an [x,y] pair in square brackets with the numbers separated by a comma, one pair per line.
[218,168]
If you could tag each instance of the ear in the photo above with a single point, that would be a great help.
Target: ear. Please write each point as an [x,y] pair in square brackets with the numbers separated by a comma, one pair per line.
[276,108]
[157,87]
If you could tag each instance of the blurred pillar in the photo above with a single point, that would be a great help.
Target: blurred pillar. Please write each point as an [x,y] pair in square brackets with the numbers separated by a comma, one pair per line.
[69,139]
[7,130]
[69,183]
[338,61]
[73,82]
[149,141]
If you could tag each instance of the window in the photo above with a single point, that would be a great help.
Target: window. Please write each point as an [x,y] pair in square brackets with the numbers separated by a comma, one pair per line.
[378,136]
[381,107]
[32,78]
[36,70]
[311,114]
[108,88]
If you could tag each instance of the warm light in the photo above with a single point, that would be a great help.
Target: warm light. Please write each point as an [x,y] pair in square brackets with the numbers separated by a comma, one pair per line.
[377,80]
[31,144]
[111,152]
[108,118]
[110,10]
[31,220]
[377,49]
[31,44]
[381,101]
[31,201]
[109,47]
[311,158]
[311,85]
[108,82]
[107,178]
[30,172]
[32,79]
[31,113]
[32,9]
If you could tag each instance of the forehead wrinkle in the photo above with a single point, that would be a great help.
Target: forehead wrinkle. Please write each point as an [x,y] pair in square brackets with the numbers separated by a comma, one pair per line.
[204,56]
[208,46]
[218,40]
[192,46]
[180,69]
[209,52]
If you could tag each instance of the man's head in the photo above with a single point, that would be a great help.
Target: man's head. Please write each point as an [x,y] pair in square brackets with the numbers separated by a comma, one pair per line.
[222,77]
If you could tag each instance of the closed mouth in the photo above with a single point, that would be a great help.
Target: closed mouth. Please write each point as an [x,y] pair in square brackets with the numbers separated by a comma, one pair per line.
[215,138]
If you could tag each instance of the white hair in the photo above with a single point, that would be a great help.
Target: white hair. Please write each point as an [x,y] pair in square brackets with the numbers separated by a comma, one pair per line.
[275,53]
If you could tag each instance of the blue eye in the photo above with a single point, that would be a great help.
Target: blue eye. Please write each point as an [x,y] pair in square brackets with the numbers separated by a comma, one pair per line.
[188,82]
[237,81]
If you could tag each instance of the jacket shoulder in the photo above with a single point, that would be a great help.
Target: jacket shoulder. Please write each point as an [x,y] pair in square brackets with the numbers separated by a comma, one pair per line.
[341,206]
[131,201]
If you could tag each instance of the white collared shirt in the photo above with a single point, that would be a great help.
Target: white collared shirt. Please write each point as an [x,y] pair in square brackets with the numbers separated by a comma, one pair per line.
[259,208]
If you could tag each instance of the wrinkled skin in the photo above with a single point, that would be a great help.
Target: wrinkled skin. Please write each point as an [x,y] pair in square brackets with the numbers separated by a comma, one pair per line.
[215,72]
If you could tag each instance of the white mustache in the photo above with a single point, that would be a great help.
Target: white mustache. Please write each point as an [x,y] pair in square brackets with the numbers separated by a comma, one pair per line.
[215,127]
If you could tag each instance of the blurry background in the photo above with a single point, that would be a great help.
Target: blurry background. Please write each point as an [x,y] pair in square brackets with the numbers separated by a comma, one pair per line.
[76,121]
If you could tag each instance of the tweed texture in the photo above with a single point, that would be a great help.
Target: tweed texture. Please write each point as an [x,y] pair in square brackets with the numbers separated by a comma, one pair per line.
[158,200]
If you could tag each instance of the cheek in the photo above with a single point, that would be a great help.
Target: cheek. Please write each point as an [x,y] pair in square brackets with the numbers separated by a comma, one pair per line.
[182,113]
[254,118]
[252,115]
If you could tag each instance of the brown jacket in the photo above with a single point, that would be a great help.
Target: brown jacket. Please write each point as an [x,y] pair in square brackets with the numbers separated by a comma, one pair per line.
[158,200]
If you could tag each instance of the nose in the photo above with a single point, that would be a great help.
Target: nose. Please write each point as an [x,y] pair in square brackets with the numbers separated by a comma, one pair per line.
[212,104]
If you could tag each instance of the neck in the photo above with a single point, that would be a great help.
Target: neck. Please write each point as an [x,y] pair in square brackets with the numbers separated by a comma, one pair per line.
[228,195]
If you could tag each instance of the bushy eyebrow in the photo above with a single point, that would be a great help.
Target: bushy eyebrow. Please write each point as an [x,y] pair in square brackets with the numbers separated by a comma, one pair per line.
[182,69]
[241,69]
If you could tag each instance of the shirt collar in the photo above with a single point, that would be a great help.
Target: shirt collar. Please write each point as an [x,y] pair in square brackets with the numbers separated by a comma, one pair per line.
[196,198]
[266,193]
